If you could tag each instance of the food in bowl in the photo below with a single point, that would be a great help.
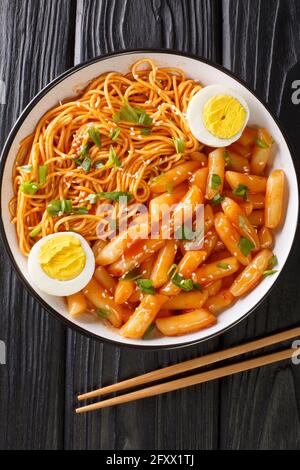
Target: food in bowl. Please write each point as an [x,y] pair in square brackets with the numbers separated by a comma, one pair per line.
[133,140]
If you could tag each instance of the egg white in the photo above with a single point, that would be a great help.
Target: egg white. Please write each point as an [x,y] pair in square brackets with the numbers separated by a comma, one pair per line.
[54,286]
[195,111]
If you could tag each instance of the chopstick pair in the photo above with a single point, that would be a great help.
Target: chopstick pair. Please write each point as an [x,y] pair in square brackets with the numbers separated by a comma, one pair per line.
[190,365]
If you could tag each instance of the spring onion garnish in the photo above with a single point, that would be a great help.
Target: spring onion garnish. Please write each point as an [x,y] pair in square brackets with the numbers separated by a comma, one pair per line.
[261,143]
[130,114]
[149,331]
[35,231]
[273,261]
[223,265]
[185,284]
[95,136]
[145,131]
[145,286]
[172,270]
[215,181]
[42,174]
[179,145]
[29,188]
[86,164]
[241,191]
[269,272]
[54,207]
[82,210]
[114,196]
[26,168]
[217,199]
[245,246]
[57,206]
[85,151]
[113,159]
[114,133]
[227,158]
[66,205]
[102,313]
[78,161]
[132,275]
[184,233]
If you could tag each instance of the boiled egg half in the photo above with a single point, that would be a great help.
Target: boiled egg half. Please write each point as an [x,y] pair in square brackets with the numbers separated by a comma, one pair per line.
[61,264]
[217,115]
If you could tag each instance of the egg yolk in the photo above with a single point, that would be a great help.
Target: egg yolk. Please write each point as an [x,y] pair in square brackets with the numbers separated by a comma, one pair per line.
[223,116]
[62,258]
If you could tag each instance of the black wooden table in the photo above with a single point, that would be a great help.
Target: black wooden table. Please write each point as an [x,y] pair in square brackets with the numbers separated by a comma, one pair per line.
[48,364]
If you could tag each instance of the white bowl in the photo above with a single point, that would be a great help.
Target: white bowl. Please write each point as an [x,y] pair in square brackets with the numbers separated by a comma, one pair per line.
[207,73]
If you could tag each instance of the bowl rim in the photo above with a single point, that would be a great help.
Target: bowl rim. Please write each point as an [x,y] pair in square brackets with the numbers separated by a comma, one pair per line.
[21,119]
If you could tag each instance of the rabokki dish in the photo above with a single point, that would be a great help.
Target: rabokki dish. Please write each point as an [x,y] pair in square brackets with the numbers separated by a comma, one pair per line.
[158,139]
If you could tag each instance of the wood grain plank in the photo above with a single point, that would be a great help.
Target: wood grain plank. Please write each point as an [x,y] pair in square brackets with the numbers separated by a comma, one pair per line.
[187,419]
[35,49]
[260,409]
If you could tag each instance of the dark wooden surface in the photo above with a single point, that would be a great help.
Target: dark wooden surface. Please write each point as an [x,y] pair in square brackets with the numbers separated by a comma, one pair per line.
[48,364]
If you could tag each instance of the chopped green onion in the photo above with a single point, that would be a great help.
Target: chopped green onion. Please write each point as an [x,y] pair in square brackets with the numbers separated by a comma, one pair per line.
[146,286]
[102,313]
[85,151]
[269,272]
[245,246]
[86,164]
[95,136]
[273,261]
[217,199]
[149,331]
[114,133]
[197,286]
[132,275]
[215,181]
[82,210]
[26,168]
[185,284]
[130,114]
[78,161]
[29,188]
[35,231]
[223,265]
[54,207]
[98,165]
[113,159]
[172,270]
[114,196]
[145,131]
[144,119]
[261,143]
[42,174]
[227,158]
[241,191]
[57,206]
[66,205]
[179,145]
[184,233]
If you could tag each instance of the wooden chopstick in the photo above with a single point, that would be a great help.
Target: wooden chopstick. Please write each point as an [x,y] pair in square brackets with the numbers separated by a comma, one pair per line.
[192,380]
[194,363]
